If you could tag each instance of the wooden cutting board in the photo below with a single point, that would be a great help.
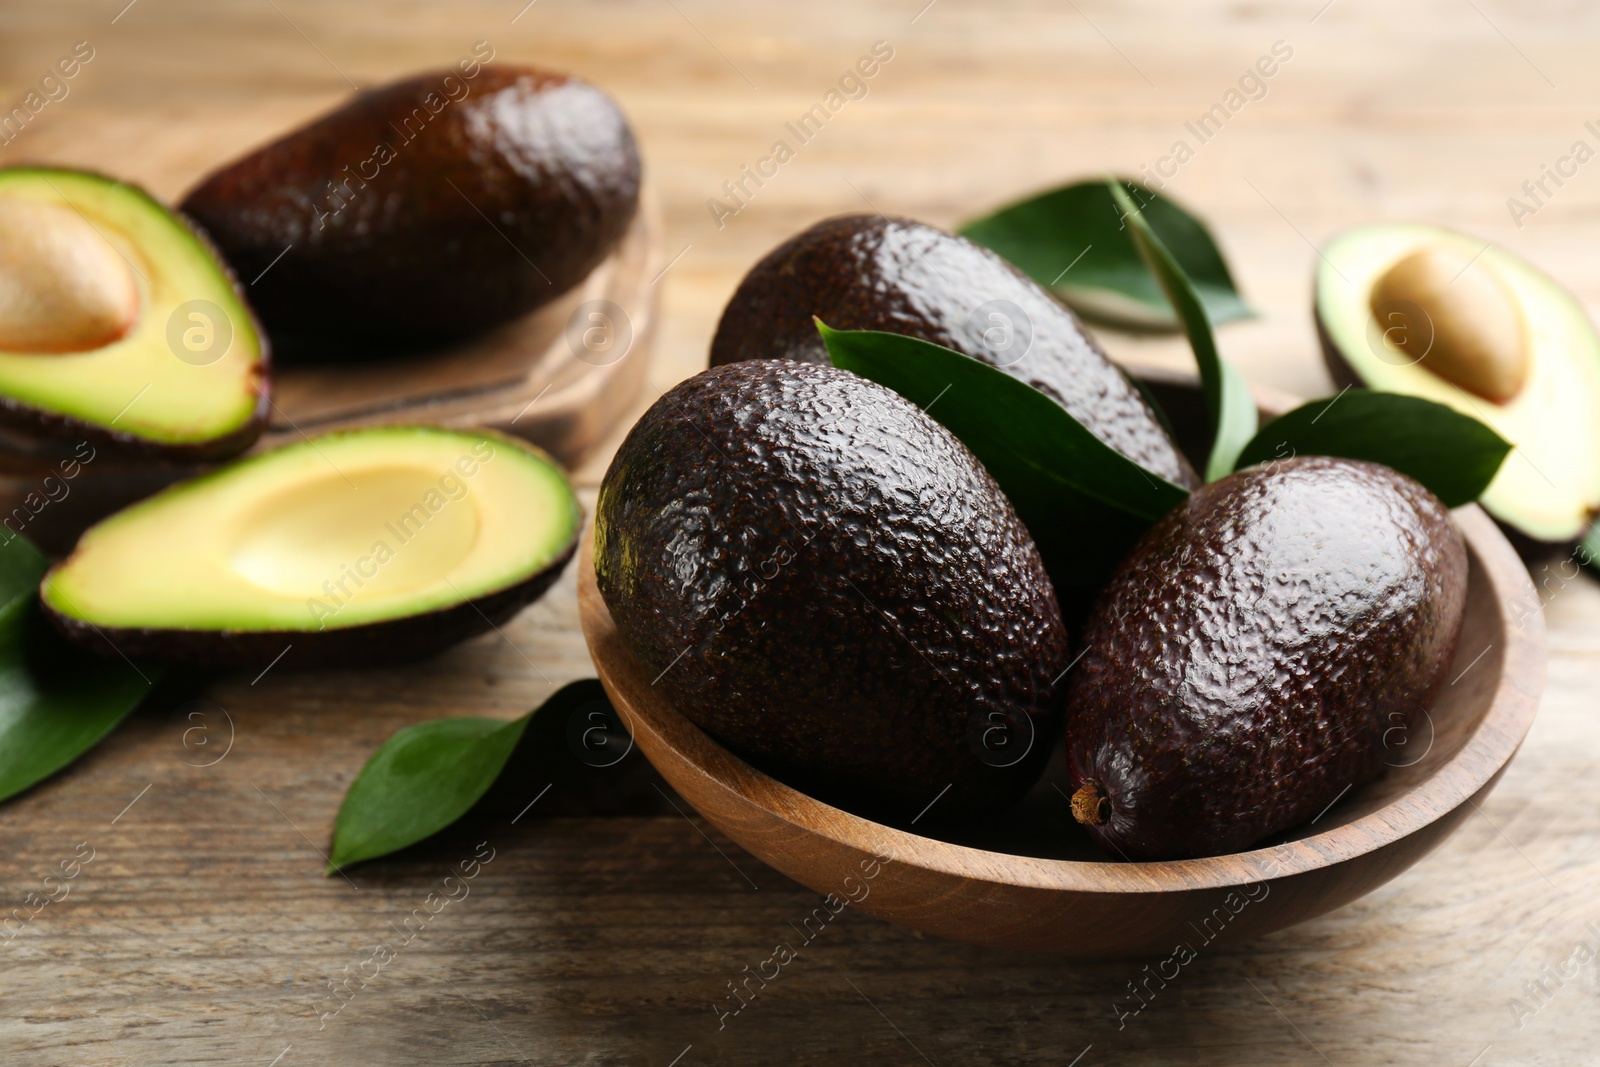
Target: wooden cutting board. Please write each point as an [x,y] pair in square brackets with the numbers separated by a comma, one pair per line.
[559,377]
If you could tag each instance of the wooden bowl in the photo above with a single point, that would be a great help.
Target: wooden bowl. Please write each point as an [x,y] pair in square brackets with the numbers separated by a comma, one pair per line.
[1037,882]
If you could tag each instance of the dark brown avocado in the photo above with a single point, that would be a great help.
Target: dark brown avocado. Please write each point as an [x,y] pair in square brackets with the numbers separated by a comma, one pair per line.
[428,209]
[868,272]
[828,582]
[1247,660]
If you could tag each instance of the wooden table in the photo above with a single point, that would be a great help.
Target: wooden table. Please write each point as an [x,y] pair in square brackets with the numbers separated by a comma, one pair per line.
[203,932]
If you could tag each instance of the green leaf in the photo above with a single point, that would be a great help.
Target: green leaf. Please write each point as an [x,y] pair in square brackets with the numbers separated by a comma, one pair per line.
[1084,502]
[421,780]
[1589,548]
[427,776]
[1454,455]
[21,567]
[56,700]
[1072,240]
[1233,410]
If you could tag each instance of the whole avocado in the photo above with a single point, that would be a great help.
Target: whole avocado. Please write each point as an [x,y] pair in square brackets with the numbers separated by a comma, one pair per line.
[1244,666]
[429,209]
[828,582]
[870,272]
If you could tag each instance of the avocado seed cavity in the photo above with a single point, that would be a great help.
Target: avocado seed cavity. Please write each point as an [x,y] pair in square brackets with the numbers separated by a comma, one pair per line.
[1457,318]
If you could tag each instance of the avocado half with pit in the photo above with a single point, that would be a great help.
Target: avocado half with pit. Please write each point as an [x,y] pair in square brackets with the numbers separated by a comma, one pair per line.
[1433,313]
[356,547]
[119,324]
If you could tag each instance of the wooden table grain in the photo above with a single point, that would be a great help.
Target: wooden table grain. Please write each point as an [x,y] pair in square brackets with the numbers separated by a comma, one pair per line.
[199,929]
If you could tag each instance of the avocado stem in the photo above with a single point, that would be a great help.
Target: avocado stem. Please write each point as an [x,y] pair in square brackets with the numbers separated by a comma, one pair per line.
[1090,806]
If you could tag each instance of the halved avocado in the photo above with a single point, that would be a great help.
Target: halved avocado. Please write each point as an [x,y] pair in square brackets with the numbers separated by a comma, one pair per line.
[1468,324]
[120,324]
[359,546]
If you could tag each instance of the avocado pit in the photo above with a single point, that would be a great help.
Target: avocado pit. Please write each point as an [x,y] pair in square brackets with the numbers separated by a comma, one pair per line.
[1546,369]
[1455,317]
[63,286]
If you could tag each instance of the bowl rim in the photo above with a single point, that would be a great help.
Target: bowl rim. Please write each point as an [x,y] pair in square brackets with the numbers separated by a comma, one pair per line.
[1479,760]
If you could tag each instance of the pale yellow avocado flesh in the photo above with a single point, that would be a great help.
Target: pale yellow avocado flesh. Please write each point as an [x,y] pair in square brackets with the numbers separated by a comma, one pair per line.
[138,385]
[1549,485]
[337,531]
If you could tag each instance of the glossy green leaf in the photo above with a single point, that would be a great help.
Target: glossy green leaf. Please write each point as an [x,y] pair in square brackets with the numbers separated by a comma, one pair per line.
[1084,502]
[1072,240]
[21,567]
[427,776]
[1454,455]
[56,700]
[1588,551]
[1233,410]
[421,780]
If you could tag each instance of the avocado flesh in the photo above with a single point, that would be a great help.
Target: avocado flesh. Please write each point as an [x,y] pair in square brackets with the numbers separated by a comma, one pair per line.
[868,272]
[1255,653]
[1548,489]
[137,393]
[428,209]
[827,581]
[381,533]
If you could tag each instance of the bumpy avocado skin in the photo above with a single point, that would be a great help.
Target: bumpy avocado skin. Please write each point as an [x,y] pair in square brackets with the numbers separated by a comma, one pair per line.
[414,218]
[829,583]
[1249,657]
[868,272]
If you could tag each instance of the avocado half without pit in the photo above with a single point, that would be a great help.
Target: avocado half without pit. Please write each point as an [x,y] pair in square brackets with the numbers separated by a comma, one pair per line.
[119,324]
[355,547]
[428,209]
[1451,318]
